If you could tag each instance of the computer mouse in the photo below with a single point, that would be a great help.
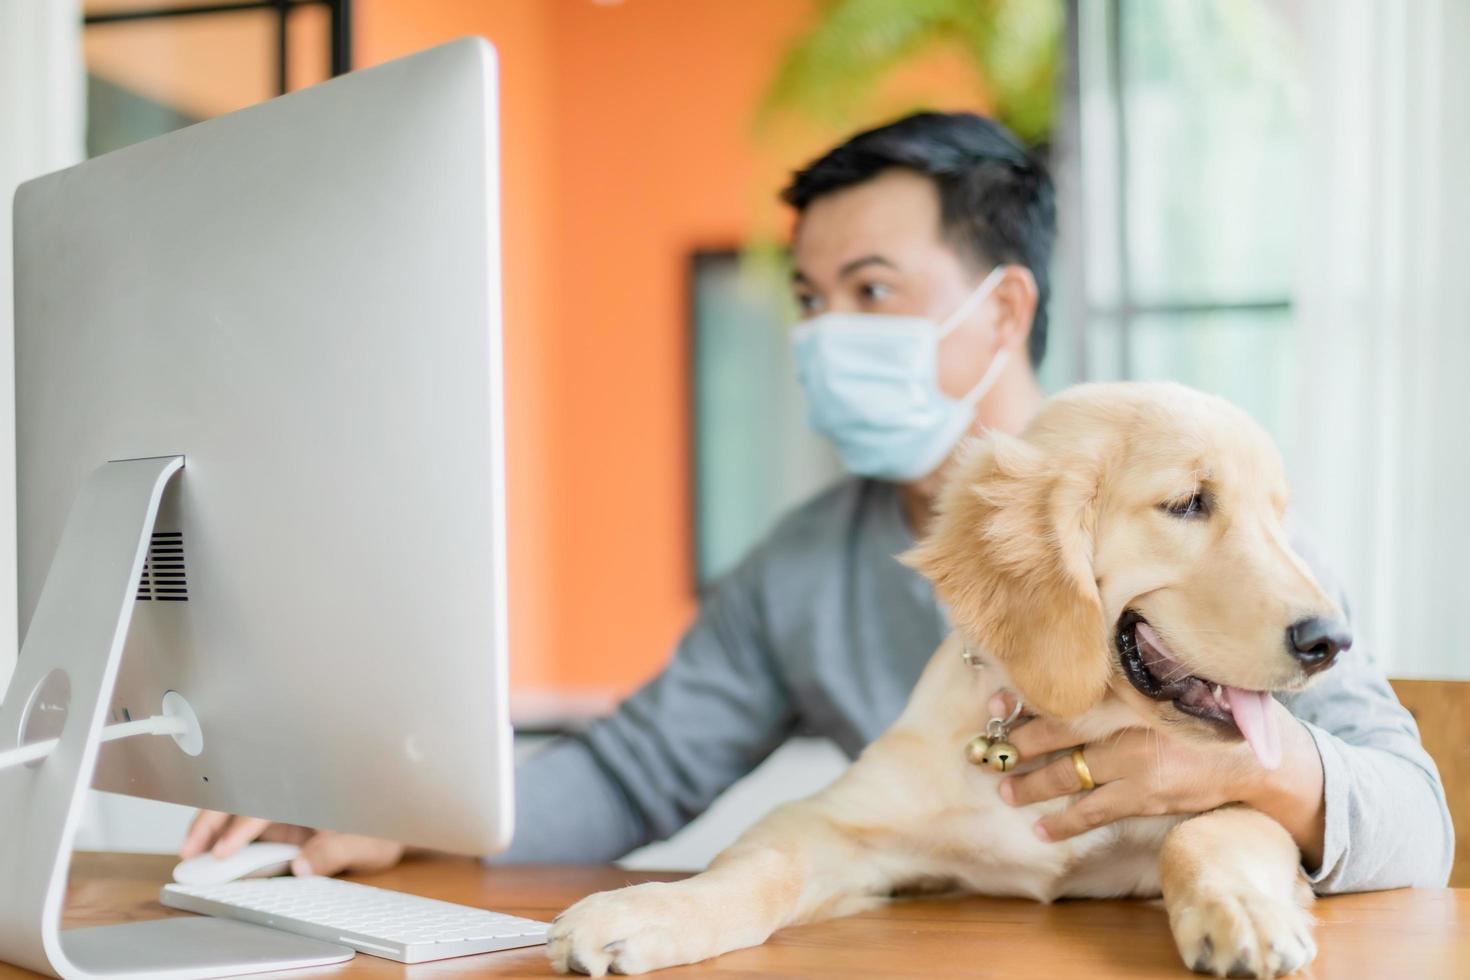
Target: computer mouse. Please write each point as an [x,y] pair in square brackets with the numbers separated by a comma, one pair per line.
[262,859]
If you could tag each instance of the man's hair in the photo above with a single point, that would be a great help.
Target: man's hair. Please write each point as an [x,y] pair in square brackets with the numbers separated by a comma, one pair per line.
[996,201]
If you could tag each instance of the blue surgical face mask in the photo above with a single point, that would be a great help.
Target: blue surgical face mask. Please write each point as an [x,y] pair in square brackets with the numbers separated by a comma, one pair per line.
[872,387]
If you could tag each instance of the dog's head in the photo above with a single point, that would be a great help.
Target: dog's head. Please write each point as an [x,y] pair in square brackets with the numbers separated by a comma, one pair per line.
[1130,544]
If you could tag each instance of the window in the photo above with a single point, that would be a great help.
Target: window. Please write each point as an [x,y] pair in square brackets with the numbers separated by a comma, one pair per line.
[754,455]
[158,65]
[1187,114]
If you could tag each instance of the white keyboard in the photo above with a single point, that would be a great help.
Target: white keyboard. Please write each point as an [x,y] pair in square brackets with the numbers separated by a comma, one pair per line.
[393,925]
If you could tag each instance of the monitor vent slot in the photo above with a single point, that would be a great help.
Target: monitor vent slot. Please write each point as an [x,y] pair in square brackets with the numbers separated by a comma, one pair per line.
[163,570]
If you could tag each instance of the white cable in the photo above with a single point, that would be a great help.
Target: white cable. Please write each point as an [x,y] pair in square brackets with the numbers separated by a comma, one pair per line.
[157,725]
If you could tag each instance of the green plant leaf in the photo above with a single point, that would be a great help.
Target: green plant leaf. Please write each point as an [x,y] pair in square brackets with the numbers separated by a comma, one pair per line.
[830,72]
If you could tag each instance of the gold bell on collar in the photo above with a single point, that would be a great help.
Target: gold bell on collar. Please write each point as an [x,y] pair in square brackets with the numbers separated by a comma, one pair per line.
[994,748]
[1001,756]
[976,749]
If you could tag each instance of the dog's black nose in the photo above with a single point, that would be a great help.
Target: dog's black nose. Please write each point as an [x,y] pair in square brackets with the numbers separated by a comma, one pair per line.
[1317,640]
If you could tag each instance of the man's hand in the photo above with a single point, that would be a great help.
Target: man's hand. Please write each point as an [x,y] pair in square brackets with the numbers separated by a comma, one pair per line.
[323,852]
[1139,772]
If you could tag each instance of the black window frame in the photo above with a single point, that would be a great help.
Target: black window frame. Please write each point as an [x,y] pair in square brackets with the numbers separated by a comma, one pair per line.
[339,33]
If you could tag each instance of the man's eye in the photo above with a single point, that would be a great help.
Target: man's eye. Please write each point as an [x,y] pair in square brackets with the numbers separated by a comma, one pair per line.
[1194,506]
[872,292]
[807,303]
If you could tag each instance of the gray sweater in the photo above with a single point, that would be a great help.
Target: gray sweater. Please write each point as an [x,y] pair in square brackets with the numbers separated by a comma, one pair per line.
[821,631]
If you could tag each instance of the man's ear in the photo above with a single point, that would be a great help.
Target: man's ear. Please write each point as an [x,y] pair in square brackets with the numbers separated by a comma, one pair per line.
[1017,297]
[1011,555]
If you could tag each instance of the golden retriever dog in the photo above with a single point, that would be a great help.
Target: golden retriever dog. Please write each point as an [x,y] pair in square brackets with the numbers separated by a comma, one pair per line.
[1122,564]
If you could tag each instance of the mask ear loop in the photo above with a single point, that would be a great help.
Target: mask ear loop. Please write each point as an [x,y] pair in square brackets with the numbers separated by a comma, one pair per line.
[976,297]
[997,365]
[1002,356]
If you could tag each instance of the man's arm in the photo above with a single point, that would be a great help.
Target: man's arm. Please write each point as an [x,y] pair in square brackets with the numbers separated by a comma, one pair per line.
[713,714]
[1387,824]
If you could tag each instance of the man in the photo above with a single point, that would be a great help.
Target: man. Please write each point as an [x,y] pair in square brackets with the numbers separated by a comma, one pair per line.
[921,254]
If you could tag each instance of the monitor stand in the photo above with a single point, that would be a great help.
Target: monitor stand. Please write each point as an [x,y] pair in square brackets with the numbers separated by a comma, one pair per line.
[62,686]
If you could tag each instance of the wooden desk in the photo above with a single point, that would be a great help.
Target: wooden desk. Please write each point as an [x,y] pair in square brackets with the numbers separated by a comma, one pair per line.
[1409,933]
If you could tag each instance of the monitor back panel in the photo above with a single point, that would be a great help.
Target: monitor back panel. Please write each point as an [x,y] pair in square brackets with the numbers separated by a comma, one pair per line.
[302,299]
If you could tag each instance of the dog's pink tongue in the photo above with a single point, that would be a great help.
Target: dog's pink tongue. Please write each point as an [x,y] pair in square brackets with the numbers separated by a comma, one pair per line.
[1257,722]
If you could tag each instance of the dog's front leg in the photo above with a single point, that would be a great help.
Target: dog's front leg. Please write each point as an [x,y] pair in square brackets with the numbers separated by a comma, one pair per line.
[794,866]
[1236,897]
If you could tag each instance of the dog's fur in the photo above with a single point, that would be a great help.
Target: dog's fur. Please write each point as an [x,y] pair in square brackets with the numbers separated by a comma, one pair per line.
[1041,544]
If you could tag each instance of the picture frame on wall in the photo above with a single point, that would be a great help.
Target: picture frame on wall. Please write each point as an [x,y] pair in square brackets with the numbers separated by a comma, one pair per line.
[753,454]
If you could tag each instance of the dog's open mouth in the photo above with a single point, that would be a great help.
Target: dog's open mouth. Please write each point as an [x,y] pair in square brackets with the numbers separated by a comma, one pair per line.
[1152,668]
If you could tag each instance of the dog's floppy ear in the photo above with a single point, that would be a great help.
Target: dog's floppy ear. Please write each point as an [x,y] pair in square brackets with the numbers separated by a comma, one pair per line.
[1010,553]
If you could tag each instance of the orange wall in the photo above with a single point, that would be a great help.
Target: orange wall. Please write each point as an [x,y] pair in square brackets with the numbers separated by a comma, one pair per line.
[628,142]
[656,158]
[522,31]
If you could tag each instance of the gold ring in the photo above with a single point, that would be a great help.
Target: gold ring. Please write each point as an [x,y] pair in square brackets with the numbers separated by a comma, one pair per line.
[1084,774]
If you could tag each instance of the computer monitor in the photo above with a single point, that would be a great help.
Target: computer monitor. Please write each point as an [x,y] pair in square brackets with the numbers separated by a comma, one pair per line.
[297,307]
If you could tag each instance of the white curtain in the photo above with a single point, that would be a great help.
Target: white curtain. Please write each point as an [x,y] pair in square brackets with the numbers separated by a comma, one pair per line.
[42,94]
[1383,467]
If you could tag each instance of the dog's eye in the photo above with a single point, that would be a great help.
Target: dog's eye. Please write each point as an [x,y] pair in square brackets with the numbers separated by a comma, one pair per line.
[1193,506]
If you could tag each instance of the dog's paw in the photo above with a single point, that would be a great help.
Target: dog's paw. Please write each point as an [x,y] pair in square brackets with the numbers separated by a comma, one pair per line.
[1241,932]
[631,930]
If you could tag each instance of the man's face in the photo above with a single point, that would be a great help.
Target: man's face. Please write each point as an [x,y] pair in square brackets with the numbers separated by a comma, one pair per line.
[877,247]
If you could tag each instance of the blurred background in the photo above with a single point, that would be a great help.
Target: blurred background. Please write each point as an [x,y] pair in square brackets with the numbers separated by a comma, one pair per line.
[1262,198]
